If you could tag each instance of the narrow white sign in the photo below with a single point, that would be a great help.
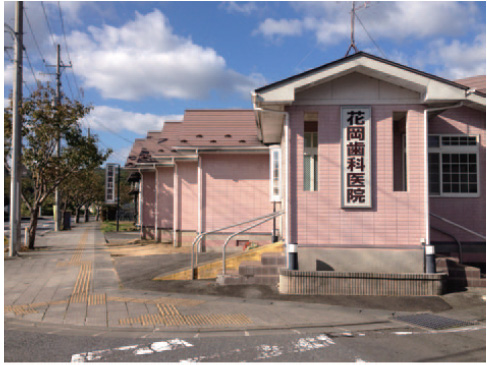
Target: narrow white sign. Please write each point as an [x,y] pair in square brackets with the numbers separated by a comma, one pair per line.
[356,158]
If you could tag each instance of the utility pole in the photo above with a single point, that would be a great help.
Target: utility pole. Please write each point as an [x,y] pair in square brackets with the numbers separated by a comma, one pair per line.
[57,103]
[15,216]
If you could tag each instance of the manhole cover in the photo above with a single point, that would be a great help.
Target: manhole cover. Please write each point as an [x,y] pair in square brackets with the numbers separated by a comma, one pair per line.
[434,322]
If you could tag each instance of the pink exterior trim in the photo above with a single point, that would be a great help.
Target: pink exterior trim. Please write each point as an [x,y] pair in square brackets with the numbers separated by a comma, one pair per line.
[396,219]
[468,212]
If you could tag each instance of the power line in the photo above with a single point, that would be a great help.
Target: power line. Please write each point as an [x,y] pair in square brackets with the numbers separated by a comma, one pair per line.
[30,66]
[33,37]
[67,48]
[48,24]
[363,26]
[7,50]
[115,133]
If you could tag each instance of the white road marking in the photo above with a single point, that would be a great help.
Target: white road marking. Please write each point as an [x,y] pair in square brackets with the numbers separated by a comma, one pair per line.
[296,331]
[138,350]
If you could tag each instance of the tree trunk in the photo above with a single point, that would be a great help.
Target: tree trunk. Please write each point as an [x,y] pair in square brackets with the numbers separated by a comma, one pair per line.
[97,217]
[34,215]
[77,214]
[87,215]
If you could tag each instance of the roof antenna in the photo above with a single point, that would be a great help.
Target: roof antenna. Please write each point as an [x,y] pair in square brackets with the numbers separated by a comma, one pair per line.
[352,30]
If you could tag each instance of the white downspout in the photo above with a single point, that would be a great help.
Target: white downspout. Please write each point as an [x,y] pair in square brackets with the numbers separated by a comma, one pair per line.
[156,215]
[175,218]
[141,205]
[287,203]
[426,167]
[200,193]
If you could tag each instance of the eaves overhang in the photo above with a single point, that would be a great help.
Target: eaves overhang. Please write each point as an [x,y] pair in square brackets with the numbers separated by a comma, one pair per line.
[432,89]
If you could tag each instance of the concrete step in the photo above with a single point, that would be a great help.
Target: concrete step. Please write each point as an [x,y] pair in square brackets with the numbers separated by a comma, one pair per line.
[243,280]
[459,283]
[273,259]
[250,268]
[459,276]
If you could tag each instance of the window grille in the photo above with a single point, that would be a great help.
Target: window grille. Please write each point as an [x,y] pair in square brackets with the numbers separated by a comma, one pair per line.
[453,166]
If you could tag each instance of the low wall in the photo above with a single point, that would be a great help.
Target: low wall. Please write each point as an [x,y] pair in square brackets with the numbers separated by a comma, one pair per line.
[349,283]
[370,259]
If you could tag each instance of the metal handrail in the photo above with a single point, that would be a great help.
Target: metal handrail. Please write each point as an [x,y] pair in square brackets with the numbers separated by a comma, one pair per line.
[242,231]
[460,250]
[457,225]
[198,238]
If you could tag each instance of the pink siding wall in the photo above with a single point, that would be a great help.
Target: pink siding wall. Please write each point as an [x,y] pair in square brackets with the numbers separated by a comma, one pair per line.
[165,178]
[235,188]
[468,212]
[396,219]
[187,196]
[149,200]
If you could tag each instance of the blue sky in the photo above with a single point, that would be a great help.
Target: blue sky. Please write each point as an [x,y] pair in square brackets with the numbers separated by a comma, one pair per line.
[143,63]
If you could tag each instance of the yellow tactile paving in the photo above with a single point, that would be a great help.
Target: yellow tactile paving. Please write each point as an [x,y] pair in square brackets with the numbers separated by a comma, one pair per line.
[169,316]
[96,299]
[78,253]
[20,309]
[174,301]
[83,281]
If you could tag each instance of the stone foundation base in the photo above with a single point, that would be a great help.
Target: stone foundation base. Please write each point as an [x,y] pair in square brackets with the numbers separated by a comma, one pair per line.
[349,283]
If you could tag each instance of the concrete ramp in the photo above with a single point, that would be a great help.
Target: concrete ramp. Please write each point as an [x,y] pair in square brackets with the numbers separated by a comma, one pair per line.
[212,269]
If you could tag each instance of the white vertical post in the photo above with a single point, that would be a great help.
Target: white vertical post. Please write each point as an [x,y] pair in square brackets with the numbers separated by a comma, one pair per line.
[175,218]
[426,181]
[141,205]
[200,196]
[156,213]
[288,178]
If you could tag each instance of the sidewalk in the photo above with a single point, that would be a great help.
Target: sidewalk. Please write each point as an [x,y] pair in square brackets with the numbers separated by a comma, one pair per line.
[71,281]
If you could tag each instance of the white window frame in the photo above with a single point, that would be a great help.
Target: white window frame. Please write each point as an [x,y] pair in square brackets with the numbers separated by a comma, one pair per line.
[275,153]
[475,149]
[312,151]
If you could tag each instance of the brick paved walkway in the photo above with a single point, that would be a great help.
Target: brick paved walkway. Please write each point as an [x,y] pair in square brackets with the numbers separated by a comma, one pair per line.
[71,280]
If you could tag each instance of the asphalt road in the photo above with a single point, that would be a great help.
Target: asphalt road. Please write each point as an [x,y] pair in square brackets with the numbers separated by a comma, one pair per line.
[410,345]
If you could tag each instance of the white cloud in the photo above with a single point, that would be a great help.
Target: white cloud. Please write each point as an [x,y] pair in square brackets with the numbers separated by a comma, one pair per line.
[456,59]
[144,58]
[246,8]
[27,76]
[271,28]
[104,117]
[402,20]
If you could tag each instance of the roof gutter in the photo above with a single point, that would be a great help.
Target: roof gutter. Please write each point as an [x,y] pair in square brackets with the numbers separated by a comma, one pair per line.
[229,149]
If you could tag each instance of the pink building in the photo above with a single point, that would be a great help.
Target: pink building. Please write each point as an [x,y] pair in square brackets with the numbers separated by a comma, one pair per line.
[372,161]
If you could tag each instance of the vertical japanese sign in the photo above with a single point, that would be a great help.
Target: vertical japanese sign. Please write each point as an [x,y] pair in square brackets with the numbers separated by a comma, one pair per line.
[356,159]
[110,172]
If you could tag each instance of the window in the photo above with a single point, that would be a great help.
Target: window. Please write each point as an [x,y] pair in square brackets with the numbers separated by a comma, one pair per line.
[275,173]
[400,173]
[310,158]
[453,165]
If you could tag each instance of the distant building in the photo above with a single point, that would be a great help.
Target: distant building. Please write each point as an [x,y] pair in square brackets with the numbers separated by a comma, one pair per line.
[367,157]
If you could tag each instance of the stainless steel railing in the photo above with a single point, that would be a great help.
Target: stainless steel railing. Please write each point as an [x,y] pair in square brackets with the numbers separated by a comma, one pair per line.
[198,239]
[224,264]
[457,225]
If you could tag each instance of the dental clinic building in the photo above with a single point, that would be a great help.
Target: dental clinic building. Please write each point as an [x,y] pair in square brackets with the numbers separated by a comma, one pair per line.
[371,161]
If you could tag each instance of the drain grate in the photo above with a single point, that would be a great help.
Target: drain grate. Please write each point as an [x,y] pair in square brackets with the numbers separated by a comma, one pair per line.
[434,322]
